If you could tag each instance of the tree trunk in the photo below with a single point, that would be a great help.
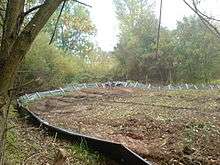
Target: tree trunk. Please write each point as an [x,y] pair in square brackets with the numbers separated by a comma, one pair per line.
[14,47]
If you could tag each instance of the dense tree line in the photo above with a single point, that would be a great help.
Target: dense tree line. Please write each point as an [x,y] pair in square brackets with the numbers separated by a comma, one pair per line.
[189,53]
[72,56]
[54,67]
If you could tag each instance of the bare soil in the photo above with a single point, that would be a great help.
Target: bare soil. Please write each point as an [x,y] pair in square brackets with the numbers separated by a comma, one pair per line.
[165,127]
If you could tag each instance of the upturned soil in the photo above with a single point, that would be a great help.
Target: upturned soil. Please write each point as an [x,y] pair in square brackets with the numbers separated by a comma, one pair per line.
[165,127]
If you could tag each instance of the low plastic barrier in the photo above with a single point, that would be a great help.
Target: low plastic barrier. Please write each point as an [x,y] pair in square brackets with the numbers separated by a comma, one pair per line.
[115,151]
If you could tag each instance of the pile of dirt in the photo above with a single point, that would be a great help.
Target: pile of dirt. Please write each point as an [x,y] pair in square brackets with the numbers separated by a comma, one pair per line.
[171,127]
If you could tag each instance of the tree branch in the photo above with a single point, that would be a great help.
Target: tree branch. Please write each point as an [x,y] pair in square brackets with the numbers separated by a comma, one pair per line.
[82,3]
[32,9]
[206,16]
[210,26]
[58,18]
[11,25]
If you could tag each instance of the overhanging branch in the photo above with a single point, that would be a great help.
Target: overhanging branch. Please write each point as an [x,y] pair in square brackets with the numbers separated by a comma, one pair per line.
[203,18]
[32,9]
[38,6]
[82,3]
[58,18]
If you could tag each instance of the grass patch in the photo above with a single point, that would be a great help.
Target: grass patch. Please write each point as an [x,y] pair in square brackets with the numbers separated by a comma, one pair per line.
[31,145]
[84,154]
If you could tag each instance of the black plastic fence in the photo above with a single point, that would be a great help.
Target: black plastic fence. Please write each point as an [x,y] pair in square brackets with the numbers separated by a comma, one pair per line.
[114,151]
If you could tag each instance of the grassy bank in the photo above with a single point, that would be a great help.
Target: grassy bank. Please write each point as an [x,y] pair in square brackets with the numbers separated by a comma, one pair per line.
[30,145]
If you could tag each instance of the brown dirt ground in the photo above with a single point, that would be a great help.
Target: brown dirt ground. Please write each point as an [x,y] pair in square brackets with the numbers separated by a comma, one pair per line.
[166,127]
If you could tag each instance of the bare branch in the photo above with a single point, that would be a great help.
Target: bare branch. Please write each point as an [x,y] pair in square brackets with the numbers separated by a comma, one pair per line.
[58,18]
[158,29]
[32,9]
[82,3]
[208,17]
[209,25]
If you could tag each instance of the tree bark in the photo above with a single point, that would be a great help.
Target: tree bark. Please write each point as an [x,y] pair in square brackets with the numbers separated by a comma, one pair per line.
[15,44]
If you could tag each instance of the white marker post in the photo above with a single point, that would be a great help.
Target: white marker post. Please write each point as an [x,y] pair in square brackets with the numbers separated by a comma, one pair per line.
[84,85]
[135,84]
[195,87]
[27,97]
[187,86]
[61,89]
[169,86]
[51,93]
[38,94]
[103,85]
[126,83]
[74,88]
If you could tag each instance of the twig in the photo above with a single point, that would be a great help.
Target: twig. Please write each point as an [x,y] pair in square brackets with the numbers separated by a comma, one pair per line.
[58,18]
[82,3]
[208,17]
[32,9]
[158,29]
[211,27]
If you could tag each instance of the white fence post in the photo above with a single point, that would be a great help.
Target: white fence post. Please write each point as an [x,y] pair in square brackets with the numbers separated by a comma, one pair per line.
[169,86]
[85,85]
[135,84]
[61,89]
[195,87]
[126,84]
[38,94]
[27,97]
[103,85]
[51,93]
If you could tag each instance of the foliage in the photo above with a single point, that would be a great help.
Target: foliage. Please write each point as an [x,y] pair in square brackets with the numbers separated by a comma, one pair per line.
[74,30]
[137,37]
[55,67]
[197,51]
[190,53]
